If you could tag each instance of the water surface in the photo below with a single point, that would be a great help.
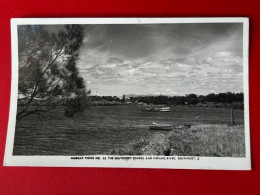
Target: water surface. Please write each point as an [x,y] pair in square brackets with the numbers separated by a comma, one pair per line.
[103,128]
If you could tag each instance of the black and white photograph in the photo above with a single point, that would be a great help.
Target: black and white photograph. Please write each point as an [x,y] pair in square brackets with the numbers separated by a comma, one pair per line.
[130,92]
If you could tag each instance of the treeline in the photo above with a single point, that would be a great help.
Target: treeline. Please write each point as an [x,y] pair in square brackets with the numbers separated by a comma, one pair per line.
[191,99]
[228,99]
[107,98]
[221,100]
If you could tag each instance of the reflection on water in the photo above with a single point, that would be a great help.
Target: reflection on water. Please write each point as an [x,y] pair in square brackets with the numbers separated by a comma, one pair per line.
[103,128]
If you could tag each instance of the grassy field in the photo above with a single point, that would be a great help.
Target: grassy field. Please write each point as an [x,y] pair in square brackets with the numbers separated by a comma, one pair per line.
[102,129]
[199,140]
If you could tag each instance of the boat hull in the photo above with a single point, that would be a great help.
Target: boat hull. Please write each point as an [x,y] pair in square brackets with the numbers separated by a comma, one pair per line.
[161,127]
[163,109]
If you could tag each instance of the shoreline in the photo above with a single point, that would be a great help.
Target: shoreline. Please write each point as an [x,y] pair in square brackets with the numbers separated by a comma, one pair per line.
[209,140]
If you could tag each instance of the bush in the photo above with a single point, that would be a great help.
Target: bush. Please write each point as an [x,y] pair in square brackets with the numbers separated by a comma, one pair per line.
[75,106]
[237,105]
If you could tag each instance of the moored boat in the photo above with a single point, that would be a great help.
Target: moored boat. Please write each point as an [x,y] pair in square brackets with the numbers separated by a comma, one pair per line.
[164,109]
[155,126]
[156,109]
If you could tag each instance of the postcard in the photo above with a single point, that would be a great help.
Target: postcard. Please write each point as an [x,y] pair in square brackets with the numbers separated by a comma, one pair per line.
[129,92]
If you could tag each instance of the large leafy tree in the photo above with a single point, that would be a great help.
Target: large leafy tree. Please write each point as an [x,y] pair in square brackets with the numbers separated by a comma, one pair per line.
[48,69]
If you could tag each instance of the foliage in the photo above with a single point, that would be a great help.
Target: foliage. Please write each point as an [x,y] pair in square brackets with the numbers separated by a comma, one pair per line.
[76,105]
[47,67]
[224,100]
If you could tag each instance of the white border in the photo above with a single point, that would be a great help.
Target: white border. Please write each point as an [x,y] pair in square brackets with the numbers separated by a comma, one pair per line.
[223,163]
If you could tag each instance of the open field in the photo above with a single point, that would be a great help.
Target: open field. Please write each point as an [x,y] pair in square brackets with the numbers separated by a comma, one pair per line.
[104,128]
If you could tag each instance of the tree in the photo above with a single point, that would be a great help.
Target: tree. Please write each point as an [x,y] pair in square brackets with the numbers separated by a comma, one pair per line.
[47,68]
[123,99]
[192,99]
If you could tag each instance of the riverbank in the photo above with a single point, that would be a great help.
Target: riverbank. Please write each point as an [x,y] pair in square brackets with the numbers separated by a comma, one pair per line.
[199,140]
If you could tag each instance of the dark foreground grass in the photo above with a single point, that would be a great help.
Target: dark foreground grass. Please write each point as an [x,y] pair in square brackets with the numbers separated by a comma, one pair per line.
[200,140]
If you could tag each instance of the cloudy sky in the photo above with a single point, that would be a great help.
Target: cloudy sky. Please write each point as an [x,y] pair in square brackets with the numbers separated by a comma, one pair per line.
[167,59]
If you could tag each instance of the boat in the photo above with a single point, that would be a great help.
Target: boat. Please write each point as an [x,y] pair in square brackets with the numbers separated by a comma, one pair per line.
[155,126]
[164,109]
[156,109]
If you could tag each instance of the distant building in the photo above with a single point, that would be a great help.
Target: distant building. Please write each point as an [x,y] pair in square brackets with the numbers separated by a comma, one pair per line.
[127,101]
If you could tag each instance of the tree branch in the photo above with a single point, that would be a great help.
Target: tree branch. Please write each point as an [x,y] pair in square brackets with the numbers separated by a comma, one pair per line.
[38,82]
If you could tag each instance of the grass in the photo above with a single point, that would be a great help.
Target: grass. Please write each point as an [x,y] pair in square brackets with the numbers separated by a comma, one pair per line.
[200,140]
[156,144]
[208,140]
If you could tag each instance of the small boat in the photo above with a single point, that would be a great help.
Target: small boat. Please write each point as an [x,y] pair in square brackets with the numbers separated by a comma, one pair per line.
[161,127]
[164,109]
[156,109]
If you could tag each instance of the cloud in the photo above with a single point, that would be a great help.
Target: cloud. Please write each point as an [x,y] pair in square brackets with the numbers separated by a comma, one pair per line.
[223,54]
[162,59]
